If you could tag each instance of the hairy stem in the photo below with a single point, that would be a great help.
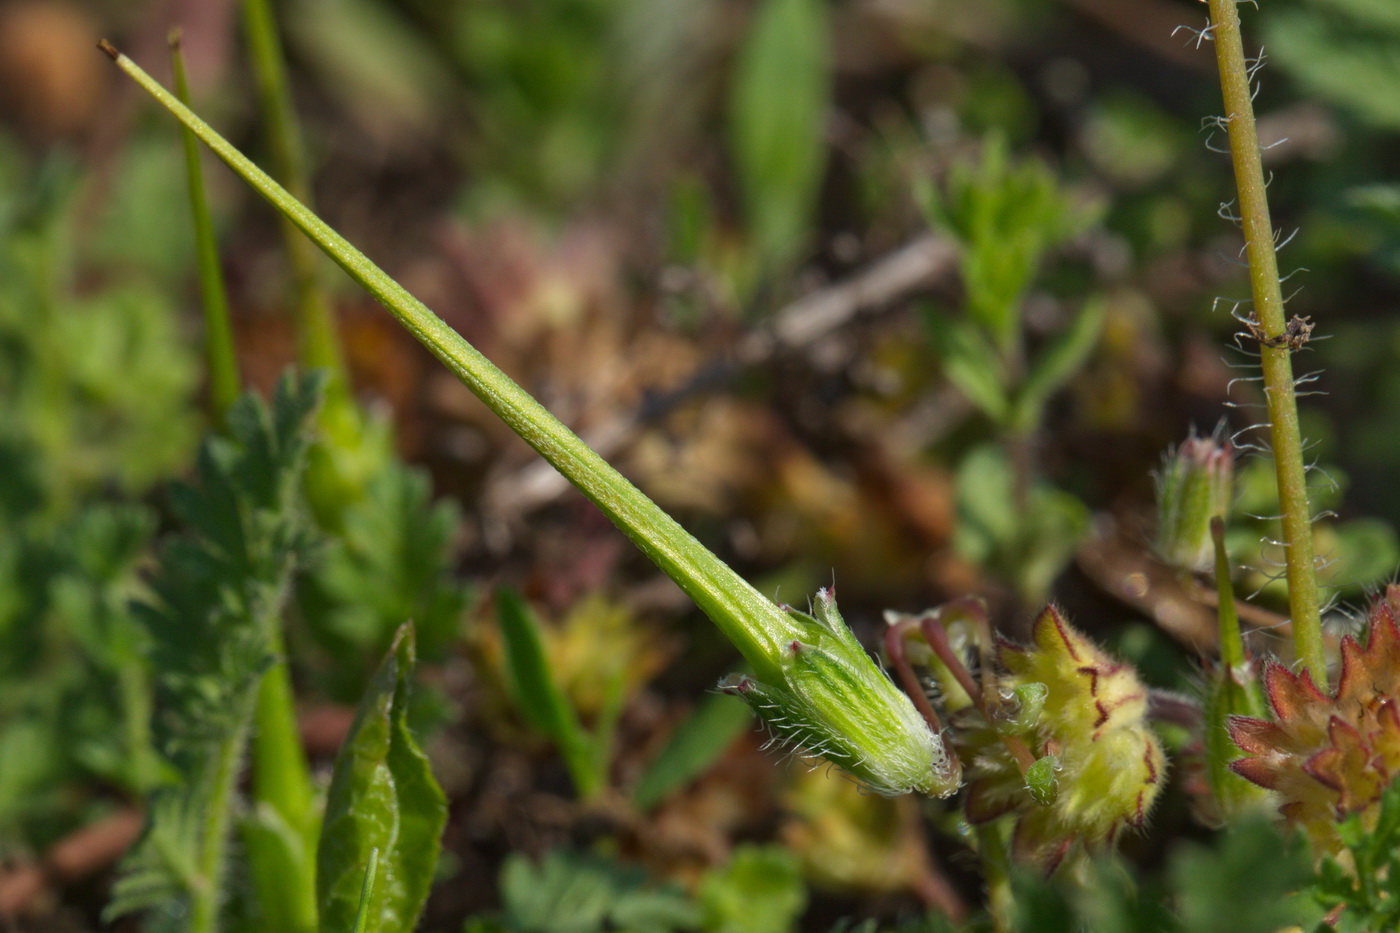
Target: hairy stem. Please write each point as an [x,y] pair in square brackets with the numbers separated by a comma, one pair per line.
[1274,348]
[1231,644]
[207,897]
[756,626]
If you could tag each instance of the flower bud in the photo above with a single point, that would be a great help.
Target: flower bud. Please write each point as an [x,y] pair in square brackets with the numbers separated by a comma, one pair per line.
[1195,485]
[1098,766]
[833,702]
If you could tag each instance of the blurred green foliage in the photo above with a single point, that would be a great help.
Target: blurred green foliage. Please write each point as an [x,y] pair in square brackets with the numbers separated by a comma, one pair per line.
[390,561]
[778,105]
[759,890]
[1201,891]
[1347,51]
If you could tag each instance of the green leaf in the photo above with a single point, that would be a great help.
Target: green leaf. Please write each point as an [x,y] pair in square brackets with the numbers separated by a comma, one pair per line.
[536,692]
[1251,856]
[215,606]
[382,796]
[777,109]
[390,559]
[695,745]
[760,890]
[971,363]
[575,893]
[1057,363]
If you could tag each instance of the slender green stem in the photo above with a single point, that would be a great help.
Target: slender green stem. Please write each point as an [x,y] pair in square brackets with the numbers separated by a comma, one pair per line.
[1231,644]
[282,782]
[1233,690]
[756,626]
[218,331]
[1274,348]
[134,684]
[207,897]
[281,775]
[320,347]
[994,851]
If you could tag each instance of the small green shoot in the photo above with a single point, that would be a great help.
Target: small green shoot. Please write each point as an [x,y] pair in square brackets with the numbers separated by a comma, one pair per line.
[536,692]
[781,91]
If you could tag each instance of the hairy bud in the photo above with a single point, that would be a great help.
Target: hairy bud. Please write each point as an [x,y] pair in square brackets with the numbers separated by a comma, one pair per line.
[1098,767]
[1195,485]
[834,702]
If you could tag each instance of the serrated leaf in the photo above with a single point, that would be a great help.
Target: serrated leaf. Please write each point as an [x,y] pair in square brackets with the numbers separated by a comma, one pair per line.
[221,584]
[159,871]
[572,893]
[382,796]
[391,559]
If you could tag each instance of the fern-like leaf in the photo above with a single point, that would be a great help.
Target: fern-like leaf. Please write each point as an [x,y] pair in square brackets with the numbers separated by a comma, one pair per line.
[217,598]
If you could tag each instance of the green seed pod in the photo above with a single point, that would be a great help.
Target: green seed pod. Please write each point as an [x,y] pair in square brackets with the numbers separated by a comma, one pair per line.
[834,702]
[1195,485]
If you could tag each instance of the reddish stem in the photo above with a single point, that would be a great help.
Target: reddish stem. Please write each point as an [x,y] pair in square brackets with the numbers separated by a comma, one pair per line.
[936,634]
[895,637]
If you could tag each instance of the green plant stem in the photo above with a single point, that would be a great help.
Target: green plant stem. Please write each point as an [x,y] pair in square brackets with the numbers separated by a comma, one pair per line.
[757,627]
[1231,644]
[218,331]
[206,899]
[281,775]
[1303,602]
[281,782]
[993,849]
[319,344]
[134,686]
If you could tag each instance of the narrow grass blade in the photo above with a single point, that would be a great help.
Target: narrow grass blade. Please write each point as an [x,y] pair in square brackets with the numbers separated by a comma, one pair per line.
[218,331]
[537,693]
[696,744]
[756,626]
